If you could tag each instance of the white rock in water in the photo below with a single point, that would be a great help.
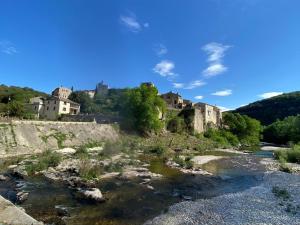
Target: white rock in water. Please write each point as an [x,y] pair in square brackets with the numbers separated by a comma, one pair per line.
[66,151]
[2,177]
[94,194]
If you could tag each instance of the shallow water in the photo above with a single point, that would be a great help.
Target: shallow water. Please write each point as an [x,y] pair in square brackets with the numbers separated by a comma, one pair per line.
[129,202]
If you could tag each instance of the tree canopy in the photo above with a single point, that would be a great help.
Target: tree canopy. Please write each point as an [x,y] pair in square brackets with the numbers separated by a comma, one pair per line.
[269,110]
[141,109]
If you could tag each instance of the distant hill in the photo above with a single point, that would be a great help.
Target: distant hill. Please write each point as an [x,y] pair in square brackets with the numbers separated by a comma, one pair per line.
[269,110]
[17,94]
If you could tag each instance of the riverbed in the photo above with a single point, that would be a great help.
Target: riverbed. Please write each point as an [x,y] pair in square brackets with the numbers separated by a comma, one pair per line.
[128,202]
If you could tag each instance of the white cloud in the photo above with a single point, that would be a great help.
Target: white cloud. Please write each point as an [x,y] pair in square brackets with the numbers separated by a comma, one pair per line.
[214,69]
[223,93]
[198,97]
[8,48]
[270,94]
[132,23]
[178,85]
[224,109]
[160,49]
[165,68]
[216,53]
[191,85]
[195,84]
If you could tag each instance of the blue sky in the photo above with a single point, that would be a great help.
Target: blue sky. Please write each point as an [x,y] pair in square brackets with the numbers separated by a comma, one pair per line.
[224,52]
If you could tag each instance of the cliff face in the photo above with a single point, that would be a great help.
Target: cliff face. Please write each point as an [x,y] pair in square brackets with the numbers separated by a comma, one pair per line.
[28,137]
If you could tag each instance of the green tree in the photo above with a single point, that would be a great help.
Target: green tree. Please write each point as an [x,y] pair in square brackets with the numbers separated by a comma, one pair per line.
[86,103]
[247,130]
[141,109]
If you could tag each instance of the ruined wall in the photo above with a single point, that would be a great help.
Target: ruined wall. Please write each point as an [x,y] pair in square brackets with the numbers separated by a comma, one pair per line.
[28,137]
[198,121]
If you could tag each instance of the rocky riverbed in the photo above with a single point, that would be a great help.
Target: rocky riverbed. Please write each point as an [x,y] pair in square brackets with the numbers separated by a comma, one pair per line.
[147,186]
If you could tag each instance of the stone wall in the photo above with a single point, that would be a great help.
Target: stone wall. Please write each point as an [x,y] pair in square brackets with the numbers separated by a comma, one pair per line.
[29,137]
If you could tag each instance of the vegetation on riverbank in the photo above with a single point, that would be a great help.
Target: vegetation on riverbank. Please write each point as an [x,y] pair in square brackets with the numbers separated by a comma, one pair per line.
[290,155]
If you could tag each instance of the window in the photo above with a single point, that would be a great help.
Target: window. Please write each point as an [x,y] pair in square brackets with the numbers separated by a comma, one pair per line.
[54,108]
[35,107]
[65,103]
[54,103]
[48,102]
[64,109]
[47,107]
[208,112]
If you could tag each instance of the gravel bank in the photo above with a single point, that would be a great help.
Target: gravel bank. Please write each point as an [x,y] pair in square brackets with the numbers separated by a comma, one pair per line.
[255,206]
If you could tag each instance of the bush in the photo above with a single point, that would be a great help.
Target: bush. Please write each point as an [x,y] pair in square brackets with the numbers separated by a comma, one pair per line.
[291,155]
[158,150]
[177,125]
[222,137]
[89,171]
[45,160]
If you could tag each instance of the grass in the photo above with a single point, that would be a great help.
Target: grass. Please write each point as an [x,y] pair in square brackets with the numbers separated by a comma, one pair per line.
[184,162]
[89,171]
[45,160]
[291,155]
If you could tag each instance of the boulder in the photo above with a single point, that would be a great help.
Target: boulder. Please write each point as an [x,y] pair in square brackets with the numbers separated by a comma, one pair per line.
[93,194]
[66,151]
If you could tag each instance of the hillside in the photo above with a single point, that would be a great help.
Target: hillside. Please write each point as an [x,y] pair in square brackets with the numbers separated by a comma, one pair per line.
[17,94]
[269,110]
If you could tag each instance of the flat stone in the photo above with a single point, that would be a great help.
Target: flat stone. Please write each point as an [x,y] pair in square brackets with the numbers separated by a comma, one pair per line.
[93,194]
[66,151]
[3,178]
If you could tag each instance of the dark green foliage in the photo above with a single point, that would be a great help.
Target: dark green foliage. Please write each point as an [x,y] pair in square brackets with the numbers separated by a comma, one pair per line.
[157,149]
[247,130]
[281,193]
[105,104]
[141,109]
[177,125]
[13,99]
[269,110]
[222,137]
[86,103]
[283,131]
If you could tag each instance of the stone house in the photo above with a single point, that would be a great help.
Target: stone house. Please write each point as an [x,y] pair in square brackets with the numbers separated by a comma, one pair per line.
[101,89]
[200,117]
[62,92]
[173,100]
[52,107]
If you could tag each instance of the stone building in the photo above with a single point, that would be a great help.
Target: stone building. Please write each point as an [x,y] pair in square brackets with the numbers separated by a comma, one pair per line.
[52,107]
[101,89]
[173,100]
[212,115]
[62,92]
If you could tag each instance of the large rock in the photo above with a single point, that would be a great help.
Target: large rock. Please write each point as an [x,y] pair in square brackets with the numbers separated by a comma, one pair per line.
[93,194]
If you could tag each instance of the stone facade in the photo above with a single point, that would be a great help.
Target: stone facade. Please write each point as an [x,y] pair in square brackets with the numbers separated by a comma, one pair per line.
[101,89]
[52,107]
[173,100]
[62,92]
[212,115]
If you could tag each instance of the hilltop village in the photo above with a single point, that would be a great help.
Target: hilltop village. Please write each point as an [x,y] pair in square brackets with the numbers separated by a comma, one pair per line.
[204,115]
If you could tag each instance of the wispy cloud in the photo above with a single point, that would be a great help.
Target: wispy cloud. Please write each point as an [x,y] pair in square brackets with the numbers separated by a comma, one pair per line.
[191,85]
[160,50]
[270,94]
[226,92]
[214,69]
[131,22]
[224,109]
[165,68]
[195,84]
[7,47]
[198,97]
[178,85]
[216,53]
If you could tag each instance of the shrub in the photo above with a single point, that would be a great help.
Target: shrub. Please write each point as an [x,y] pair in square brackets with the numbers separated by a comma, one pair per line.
[291,155]
[176,125]
[281,193]
[158,150]
[89,171]
[45,160]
